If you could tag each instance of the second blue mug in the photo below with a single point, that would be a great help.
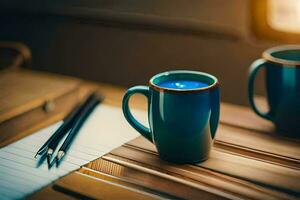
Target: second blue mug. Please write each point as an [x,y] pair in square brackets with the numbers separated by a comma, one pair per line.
[183,121]
[282,66]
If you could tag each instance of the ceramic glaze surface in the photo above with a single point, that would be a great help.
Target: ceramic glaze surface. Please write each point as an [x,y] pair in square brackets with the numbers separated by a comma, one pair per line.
[283,91]
[182,124]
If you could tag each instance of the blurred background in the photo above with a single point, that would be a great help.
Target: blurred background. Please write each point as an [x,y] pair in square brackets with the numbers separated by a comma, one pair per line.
[126,42]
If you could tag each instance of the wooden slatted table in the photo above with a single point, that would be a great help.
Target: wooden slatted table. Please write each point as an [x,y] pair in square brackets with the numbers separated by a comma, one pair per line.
[249,161]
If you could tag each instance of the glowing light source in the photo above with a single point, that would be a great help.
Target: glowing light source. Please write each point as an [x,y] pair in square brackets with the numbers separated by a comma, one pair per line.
[284,15]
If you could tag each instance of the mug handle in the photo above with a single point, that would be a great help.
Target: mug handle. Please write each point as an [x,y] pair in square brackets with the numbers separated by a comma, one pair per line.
[144,90]
[254,68]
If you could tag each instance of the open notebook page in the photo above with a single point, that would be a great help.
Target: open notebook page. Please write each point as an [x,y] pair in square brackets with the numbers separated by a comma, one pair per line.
[21,174]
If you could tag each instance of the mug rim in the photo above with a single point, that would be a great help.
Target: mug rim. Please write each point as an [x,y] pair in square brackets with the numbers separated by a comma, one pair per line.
[267,54]
[159,88]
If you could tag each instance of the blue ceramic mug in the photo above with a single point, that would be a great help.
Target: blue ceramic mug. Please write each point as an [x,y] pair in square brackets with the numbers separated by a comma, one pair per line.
[282,66]
[183,113]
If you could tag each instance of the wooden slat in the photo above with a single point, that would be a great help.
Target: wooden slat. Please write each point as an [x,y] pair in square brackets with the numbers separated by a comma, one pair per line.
[275,149]
[222,184]
[48,193]
[244,117]
[69,188]
[112,177]
[95,188]
[147,181]
[201,179]
[257,172]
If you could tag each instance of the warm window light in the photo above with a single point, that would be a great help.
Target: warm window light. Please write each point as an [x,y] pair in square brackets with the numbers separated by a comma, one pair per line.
[284,15]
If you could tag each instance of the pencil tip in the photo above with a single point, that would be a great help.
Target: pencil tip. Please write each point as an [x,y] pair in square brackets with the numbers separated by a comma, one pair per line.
[59,156]
[50,152]
[49,155]
[41,151]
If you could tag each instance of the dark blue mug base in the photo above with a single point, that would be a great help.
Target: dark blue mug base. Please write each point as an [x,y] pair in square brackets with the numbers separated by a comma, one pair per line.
[178,161]
[291,133]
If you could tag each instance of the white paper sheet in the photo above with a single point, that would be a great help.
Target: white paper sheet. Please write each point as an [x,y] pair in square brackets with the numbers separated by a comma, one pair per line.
[104,130]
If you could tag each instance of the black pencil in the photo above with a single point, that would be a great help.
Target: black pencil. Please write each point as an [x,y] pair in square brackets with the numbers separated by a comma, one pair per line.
[76,127]
[67,121]
[67,125]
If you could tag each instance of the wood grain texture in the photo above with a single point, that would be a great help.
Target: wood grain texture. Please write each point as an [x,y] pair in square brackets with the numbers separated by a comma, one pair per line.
[227,187]
[48,193]
[225,171]
[260,146]
[95,188]
[91,186]
[22,91]
[145,181]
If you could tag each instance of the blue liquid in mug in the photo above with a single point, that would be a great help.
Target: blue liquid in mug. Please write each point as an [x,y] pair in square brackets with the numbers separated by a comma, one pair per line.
[182,84]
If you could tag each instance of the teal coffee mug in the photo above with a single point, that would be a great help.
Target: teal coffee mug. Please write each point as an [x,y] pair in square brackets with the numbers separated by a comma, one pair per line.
[183,114]
[282,65]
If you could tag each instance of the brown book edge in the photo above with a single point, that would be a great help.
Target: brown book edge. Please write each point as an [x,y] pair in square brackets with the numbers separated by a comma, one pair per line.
[19,127]
[67,84]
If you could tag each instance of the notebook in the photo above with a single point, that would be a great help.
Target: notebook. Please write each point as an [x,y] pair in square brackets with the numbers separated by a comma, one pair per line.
[21,174]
